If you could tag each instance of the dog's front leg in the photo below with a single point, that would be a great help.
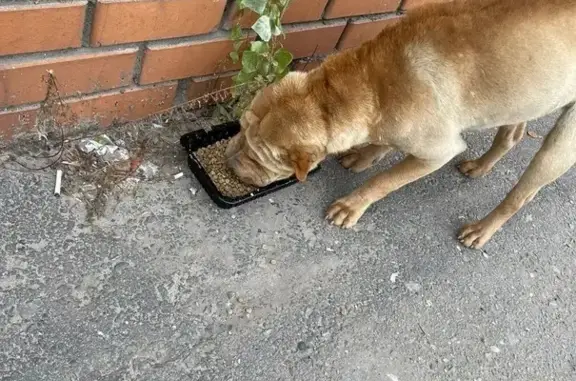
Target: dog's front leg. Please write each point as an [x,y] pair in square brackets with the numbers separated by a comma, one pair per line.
[346,211]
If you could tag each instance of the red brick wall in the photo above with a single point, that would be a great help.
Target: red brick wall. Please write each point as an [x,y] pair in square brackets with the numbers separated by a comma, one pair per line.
[125,59]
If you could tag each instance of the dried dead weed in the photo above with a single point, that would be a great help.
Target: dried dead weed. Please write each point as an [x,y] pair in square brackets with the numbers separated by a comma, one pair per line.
[95,179]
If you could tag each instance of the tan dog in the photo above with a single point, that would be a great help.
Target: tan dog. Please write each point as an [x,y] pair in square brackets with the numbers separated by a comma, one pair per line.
[441,70]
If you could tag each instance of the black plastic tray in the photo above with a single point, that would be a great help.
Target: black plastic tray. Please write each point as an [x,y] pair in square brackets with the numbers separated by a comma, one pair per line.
[195,140]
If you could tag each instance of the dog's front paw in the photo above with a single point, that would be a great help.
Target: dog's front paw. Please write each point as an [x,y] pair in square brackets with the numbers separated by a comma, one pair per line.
[346,212]
[476,235]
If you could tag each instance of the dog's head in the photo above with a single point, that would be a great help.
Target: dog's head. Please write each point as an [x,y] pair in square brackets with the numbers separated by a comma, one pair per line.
[283,133]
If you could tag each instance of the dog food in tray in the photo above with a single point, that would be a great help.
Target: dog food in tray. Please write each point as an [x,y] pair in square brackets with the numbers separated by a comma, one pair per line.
[207,164]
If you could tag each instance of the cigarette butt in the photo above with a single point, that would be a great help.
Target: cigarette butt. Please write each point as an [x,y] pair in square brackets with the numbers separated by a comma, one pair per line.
[178,175]
[58,184]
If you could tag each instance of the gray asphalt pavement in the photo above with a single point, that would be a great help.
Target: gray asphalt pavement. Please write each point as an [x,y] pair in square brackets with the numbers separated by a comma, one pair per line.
[169,287]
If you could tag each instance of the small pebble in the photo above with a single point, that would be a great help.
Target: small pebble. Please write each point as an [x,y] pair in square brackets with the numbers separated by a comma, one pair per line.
[302,346]
[413,287]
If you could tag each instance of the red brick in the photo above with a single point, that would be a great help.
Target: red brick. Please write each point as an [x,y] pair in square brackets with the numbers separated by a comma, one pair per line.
[13,123]
[198,87]
[35,28]
[313,40]
[22,82]
[410,4]
[120,21]
[297,11]
[123,105]
[106,108]
[194,59]
[304,10]
[200,58]
[345,8]
[361,31]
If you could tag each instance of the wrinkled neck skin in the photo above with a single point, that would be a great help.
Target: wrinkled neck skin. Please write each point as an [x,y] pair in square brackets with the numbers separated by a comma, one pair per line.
[349,92]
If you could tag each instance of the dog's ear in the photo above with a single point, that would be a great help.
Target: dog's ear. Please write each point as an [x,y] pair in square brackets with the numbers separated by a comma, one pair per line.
[248,119]
[302,160]
[301,164]
[259,107]
[261,103]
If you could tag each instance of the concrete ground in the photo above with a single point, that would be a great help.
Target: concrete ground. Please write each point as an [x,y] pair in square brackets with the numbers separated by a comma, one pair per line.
[168,287]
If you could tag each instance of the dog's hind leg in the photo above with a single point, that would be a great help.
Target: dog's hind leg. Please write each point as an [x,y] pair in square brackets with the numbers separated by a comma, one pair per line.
[506,138]
[556,156]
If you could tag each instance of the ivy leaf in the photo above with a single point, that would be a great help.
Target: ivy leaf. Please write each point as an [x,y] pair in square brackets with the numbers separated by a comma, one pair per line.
[281,74]
[276,20]
[264,68]
[243,77]
[276,30]
[263,28]
[250,61]
[223,112]
[257,6]
[259,47]
[236,33]
[275,13]
[284,58]
[235,57]
[237,37]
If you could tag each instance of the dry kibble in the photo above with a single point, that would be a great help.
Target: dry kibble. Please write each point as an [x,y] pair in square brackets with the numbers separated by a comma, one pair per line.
[213,160]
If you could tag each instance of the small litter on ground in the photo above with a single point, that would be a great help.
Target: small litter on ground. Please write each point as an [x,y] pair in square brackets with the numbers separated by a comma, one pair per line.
[148,170]
[58,183]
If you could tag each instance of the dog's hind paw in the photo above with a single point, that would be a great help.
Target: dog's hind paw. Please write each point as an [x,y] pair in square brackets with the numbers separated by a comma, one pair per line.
[474,168]
[359,159]
[354,161]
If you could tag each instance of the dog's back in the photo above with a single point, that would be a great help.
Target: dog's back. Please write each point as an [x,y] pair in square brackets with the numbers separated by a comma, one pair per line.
[503,60]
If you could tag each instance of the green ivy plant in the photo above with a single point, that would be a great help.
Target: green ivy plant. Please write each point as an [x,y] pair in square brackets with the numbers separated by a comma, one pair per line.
[263,61]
